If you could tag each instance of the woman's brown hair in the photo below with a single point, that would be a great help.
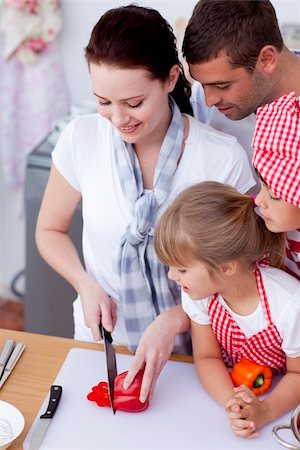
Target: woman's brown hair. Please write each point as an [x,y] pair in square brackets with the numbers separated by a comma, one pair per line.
[137,37]
[213,223]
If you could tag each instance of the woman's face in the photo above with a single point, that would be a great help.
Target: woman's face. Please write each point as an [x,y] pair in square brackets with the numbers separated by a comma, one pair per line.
[279,216]
[135,104]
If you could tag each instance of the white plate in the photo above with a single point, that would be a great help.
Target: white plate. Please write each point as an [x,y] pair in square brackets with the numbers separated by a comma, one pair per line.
[15,420]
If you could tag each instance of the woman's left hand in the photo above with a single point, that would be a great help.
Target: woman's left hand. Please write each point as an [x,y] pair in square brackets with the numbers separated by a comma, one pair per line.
[155,348]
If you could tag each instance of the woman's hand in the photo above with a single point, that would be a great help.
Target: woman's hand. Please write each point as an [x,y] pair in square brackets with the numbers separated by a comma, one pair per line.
[97,306]
[155,348]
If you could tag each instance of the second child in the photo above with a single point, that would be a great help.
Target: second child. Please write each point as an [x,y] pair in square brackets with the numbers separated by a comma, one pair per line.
[276,158]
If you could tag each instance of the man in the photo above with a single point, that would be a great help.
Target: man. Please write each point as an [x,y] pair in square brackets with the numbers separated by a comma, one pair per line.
[234,48]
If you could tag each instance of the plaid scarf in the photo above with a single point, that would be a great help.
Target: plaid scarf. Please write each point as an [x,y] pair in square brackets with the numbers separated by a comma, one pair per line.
[145,288]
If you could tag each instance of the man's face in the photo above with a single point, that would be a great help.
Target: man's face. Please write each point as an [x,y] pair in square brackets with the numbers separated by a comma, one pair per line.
[235,91]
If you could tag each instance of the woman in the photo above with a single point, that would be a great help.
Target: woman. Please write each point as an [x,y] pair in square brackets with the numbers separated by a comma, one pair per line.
[126,164]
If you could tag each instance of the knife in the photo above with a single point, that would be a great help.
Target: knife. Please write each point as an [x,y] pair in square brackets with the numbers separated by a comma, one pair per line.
[5,354]
[111,363]
[45,419]
[12,361]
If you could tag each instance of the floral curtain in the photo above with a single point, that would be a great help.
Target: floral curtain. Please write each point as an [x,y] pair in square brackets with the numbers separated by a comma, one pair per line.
[33,93]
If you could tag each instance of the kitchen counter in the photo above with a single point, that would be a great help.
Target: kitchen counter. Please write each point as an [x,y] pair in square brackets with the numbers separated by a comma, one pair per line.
[35,372]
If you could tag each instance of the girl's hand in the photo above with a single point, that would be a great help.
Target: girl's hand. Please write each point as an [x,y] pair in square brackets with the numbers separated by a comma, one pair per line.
[252,414]
[239,400]
[244,428]
[155,348]
[97,306]
[241,426]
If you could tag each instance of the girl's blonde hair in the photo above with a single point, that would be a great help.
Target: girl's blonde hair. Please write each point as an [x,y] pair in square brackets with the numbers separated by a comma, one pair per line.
[213,223]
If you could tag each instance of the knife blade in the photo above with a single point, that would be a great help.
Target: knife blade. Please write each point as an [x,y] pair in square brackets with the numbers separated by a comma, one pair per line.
[8,347]
[111,363]
[12,361]
[45,419]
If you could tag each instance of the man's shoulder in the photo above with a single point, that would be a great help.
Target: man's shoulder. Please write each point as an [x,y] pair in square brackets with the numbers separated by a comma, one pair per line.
[206,130]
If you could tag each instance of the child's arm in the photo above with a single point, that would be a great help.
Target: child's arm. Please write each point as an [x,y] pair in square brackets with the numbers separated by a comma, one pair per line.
[284,397]
[210,367]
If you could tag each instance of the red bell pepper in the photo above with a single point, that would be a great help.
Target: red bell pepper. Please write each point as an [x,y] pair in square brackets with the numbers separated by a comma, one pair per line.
[128,399]
[258,378]
[124,399]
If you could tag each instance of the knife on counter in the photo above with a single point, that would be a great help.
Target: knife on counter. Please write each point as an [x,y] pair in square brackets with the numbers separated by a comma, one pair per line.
[45,419]
[14,357]
[111,363]
[5,354]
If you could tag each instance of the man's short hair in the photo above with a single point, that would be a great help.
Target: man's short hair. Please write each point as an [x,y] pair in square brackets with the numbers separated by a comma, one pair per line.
[239,28]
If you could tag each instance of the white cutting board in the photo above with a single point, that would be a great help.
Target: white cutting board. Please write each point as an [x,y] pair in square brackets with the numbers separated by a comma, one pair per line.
[181,415]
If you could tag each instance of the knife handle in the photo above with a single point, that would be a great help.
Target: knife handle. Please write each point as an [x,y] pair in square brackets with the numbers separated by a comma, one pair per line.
[105,334]
[55,394]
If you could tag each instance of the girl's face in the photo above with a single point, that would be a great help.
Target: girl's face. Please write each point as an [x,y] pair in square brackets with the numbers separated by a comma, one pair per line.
[279,216]
[135,104]
[195,279]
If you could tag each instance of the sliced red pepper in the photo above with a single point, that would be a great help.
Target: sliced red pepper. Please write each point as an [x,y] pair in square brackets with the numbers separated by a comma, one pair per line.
[124,399]
[258,378]
[100,394]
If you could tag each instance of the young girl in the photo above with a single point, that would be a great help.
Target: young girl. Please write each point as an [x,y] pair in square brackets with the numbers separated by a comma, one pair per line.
[218,250]
[126,164]
[276,157]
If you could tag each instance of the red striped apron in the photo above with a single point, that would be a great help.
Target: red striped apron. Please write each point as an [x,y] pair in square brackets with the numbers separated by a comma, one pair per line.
[264,347]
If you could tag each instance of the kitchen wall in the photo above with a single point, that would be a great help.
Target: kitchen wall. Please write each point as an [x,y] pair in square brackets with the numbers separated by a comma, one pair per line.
[79,18]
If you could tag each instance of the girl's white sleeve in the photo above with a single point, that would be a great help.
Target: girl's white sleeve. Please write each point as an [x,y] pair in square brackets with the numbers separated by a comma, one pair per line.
[290,329]
[196,309]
